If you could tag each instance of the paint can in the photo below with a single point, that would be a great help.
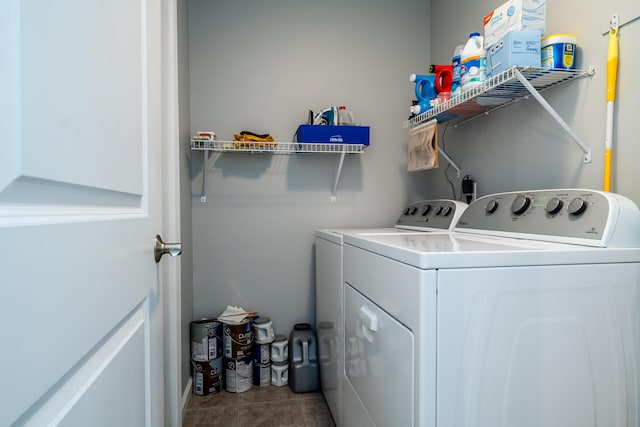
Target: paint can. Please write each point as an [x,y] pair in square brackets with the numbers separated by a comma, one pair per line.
[262,374]
[206,340]
[207,377]
[261,354]
[238,375]
[238,340]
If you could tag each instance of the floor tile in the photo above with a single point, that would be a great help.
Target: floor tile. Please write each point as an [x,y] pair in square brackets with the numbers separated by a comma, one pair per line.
[268,406]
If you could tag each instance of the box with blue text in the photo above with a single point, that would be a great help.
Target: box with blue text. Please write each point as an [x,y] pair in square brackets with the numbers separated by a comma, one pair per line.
[516,48]
[326,134]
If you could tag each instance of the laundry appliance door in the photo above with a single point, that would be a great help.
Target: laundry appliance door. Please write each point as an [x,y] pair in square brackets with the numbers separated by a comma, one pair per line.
[379,361]
[553,346]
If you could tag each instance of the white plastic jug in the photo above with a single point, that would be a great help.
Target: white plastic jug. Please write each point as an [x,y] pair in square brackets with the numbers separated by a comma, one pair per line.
[472,62]
[345,117]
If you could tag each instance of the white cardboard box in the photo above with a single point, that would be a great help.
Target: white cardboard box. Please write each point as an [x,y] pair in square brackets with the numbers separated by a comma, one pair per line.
[514,15]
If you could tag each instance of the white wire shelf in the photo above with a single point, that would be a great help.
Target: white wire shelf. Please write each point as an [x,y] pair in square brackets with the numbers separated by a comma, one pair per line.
[496,92]
[207,145]
[273,147]
[504,89]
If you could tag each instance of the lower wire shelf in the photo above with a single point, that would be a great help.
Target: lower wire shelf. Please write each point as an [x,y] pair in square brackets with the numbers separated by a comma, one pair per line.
[207,145]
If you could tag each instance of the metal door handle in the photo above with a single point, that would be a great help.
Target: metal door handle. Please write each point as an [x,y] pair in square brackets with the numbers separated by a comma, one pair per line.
[161,248]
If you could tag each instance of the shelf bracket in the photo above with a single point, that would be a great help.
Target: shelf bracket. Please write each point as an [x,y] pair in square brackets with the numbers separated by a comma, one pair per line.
[448,159]
[532,90]
[335,182]
[205,162]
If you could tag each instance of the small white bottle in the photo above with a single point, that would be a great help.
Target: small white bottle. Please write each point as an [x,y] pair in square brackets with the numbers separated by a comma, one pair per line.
[345,117]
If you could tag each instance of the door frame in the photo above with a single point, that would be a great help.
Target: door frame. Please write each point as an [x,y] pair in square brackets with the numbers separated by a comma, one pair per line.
[171,271]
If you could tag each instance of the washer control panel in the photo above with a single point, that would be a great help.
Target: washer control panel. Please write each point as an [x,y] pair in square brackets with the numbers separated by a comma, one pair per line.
[431,215]
[564,214]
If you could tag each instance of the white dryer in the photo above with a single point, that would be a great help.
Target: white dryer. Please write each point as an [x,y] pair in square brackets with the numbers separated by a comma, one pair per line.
[419,217]
[528,314]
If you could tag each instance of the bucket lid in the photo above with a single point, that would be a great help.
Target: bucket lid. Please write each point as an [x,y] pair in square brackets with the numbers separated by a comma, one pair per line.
[558,38]
[302,326]
[474,35]
[261,320]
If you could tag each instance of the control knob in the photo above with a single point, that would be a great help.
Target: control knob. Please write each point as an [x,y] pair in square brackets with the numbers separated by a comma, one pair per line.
[413,210]
[447,211]
[520,205]
[439,211]
[576,206]
[491,207]
[553,206]
[426,210]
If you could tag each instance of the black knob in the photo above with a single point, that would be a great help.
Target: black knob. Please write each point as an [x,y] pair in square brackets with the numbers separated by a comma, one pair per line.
[520,205]
[491,207]
[439,211]
[413,211]
[426,210]
[447,211]
[553,206]
[406,211]
[577,206]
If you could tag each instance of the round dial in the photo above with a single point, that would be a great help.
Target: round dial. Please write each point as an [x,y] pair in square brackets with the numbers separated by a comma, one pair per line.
[553,206]
[426,210]
[491,207]
[446,211]
[439,211]
[413,211]
[406,211]
[577,206]
[520,205]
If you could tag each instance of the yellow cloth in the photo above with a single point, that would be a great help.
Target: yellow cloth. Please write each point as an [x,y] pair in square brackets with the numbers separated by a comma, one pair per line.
[242,139]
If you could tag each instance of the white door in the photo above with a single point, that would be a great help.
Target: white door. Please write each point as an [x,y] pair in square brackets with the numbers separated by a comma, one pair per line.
[80,308]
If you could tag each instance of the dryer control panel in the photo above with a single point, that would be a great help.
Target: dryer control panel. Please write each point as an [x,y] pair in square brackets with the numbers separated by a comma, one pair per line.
[429,215]
[566,215]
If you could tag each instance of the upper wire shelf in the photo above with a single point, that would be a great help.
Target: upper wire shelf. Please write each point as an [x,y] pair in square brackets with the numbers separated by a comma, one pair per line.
[273,147]
[496,92]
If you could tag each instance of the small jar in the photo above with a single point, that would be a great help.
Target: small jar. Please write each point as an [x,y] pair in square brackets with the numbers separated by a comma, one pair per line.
[263,329]
[279,374]
[280,349]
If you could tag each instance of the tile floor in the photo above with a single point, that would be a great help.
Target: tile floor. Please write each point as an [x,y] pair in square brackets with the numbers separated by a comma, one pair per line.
[268,406]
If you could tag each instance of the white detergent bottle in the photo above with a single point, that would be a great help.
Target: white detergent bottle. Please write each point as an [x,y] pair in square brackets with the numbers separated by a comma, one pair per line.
[472,62]
[455,83]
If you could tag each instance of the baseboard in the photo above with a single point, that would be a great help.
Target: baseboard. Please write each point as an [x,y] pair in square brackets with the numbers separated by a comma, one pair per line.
[186,395]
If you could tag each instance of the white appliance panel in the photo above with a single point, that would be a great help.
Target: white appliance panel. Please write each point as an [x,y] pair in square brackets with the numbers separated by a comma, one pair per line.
[379,361]
[532,346]
[329,315]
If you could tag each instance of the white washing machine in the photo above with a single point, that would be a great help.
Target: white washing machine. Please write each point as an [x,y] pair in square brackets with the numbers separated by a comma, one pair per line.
[528,314]
[419,217]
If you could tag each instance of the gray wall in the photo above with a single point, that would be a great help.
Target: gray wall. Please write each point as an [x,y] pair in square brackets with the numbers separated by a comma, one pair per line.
[186,258]
[521,147]
[260,66]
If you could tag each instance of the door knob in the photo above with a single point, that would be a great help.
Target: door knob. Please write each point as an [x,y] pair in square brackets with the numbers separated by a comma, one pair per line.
[161,248]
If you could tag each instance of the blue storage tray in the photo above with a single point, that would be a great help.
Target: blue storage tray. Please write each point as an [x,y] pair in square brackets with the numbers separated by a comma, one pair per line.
[325,134]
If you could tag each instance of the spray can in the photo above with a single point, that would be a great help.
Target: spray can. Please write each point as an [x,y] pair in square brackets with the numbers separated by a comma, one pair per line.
[455,62]
[473,62]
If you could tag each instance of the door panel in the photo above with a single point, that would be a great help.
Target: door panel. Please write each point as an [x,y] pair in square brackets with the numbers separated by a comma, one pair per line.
[79,206]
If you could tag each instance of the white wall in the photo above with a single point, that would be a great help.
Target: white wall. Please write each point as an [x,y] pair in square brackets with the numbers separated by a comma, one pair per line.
[260,66]
[521,147]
